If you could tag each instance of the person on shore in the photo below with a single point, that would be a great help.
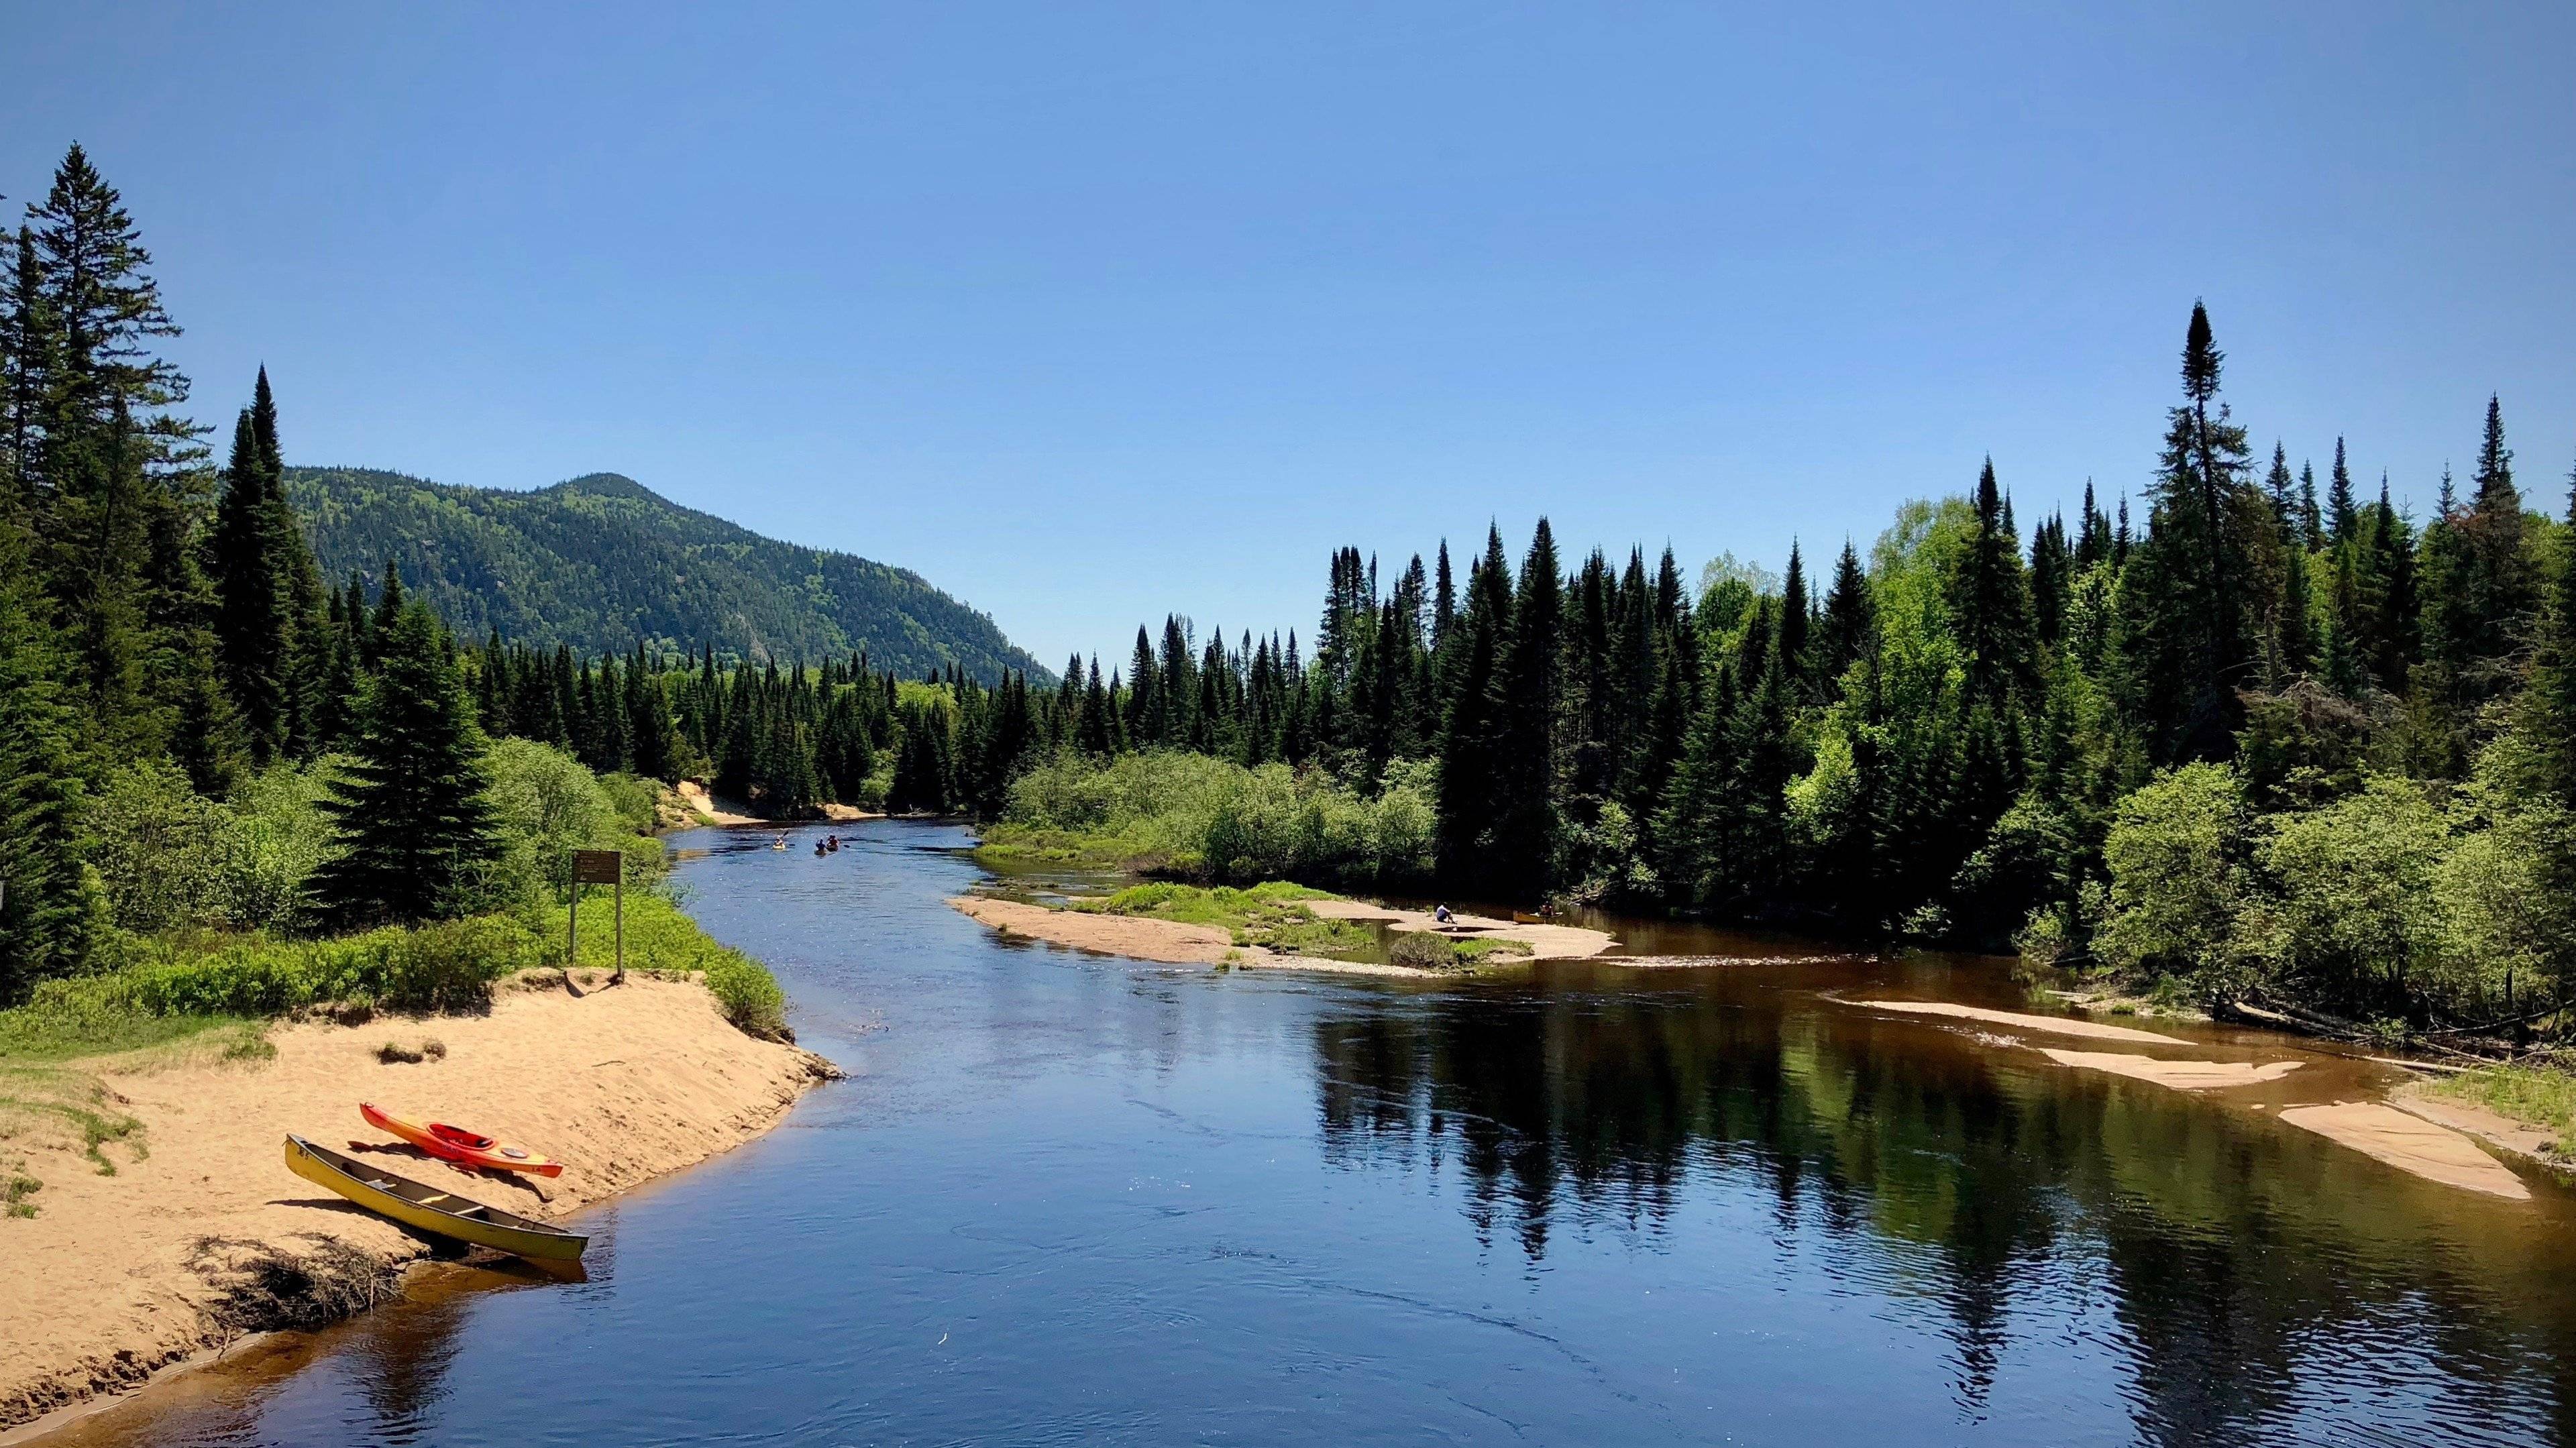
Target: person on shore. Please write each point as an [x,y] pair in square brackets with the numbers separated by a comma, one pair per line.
[1440,915]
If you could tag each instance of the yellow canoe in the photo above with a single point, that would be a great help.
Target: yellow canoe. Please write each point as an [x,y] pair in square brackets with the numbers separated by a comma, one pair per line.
[428,1208]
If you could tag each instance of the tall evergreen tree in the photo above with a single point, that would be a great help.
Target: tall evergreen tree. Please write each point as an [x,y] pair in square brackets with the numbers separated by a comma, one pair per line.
[412,822]
[48,912]
[2192,628]
[253,639]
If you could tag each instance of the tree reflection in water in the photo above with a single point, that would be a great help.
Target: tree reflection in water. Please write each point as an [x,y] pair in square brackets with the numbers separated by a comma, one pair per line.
[2244,1261]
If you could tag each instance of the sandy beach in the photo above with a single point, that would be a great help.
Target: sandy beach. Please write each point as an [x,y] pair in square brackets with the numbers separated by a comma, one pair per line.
[201,1232]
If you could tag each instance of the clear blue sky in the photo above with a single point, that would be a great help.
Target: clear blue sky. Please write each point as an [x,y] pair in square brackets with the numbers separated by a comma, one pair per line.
[1091,313]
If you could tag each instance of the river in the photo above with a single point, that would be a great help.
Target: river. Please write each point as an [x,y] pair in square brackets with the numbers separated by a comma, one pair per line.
[1071,1199]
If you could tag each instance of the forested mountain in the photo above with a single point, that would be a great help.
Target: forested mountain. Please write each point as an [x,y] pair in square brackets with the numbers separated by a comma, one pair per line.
[602,563]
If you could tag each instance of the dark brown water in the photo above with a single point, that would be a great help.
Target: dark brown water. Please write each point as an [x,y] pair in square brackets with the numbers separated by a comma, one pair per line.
[1068,1199]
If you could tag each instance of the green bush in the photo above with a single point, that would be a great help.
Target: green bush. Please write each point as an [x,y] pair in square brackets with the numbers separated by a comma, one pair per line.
[2176,853]
[547,805]
[447,966]
[1423,950]
[1210,819]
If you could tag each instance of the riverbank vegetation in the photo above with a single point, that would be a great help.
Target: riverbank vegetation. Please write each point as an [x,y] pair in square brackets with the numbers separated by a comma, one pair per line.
[2540,1096]
[228,791]
[2263,738]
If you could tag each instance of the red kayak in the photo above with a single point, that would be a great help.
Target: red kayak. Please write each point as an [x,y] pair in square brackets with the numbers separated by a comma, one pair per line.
[456,1144]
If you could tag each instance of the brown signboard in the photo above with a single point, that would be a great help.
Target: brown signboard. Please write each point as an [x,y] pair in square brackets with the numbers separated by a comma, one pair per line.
[597,867]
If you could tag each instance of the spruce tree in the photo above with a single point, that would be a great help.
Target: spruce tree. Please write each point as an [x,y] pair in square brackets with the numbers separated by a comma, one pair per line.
[48,912]
[1471,726]
[411,819]
[1851,615]
[2547,710]
[1991,601]
[251,633]
[1528,765]
[2193,624]
[2341,516]
[1795,617]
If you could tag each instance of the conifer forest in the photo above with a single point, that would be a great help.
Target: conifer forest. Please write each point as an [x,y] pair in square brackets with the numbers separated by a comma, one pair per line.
[2238,727]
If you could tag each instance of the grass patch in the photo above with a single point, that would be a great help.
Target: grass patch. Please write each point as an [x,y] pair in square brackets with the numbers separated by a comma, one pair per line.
[2541,1096]
[48,1103]
[395,1053]
[61,1024]
[1270,915]
[1428,950]
[15,1187]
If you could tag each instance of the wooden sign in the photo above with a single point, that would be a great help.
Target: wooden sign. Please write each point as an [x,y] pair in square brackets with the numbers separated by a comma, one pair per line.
[597,867]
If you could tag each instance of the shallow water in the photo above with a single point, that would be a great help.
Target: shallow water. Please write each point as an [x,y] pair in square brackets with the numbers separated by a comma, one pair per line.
[1069,1199]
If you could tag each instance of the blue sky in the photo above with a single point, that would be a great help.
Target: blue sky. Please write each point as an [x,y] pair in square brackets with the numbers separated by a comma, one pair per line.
[1090,313]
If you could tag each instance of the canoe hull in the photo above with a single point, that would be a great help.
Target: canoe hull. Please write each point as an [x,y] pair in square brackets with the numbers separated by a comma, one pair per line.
[430,1210]
[424,1134]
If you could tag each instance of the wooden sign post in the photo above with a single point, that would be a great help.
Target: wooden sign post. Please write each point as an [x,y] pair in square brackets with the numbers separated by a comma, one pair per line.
[597,867]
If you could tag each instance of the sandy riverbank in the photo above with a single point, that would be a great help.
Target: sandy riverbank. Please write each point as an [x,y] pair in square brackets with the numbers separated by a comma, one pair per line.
[701,808]
[201,1223]
[1141,937]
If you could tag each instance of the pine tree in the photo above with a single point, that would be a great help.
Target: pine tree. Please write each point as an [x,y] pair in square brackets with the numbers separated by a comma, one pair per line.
[1471,727]
[1795,617]
[2341,516]
[48,912]
[251,608]
[412,822]
[1851,615]
[2547,710]
[100,309]
[1528,765]
[2193,623]
[1992,603]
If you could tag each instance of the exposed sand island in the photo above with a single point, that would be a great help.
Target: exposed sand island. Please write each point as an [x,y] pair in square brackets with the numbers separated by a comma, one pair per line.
[119,1275]
[2410,1144]
[1141,937]
[2180,1075]
[2047,1025]
[1144,937]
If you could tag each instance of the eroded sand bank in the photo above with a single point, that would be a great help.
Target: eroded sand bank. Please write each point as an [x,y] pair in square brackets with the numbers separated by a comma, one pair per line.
[118,1275]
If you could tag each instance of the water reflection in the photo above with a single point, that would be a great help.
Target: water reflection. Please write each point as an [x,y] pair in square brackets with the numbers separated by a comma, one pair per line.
[2255,1272]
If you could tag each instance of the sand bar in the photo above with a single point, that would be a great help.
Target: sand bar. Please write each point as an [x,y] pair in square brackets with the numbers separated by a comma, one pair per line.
[2410,1144]
[2052,1025]
[2180,1075]
[1545,942]
[1142,937]
[116,1275]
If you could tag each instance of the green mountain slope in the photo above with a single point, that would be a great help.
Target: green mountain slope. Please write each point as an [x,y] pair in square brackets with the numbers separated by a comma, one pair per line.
[602,562]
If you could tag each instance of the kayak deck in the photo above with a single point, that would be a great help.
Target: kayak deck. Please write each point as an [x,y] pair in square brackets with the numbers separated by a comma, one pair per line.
[445,1214]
